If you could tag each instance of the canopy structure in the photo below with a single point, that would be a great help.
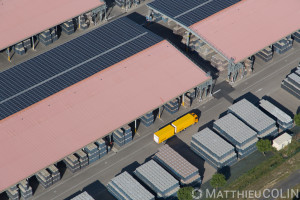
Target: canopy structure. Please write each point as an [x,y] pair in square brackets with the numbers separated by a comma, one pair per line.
[57,126]
[21,19]
[246,28]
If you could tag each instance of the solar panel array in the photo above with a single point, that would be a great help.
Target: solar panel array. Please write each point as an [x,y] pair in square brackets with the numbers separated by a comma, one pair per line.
[189,12]
[69,63]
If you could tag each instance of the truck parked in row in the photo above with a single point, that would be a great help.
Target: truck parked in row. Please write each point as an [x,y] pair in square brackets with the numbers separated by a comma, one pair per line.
[175,127]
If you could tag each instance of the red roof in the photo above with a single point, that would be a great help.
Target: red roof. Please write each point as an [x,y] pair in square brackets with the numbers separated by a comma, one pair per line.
[249,26]
[21,19]
[47,131]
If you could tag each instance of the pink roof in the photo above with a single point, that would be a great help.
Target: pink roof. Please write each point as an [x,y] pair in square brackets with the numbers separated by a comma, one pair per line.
[46,132]
[21,19]
[249,26]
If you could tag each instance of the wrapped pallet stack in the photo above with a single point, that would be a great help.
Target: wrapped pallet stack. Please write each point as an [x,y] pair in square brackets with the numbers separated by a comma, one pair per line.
[122,136]
[283,120]
[55,174]
[147,119]
[266,54]
[178,166]
[219,62]
[13,193]
[248,63]
[102,147]
[213,149]
[237,133]
[283,45]
[48,37]
[19,48]
[27,44]
[92,152]
[68,27]
[83,158]
[124,186]
[253,117]
[158,179]
[25,190]
[206,52]
[172,106]
[45,178]
[189,97]
[296,36]
[292,84]
[72,163]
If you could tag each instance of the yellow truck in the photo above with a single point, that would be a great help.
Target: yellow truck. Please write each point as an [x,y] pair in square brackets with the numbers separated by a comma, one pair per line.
[175,127]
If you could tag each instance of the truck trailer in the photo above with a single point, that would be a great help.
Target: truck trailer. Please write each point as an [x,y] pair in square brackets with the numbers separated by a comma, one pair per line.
[175,127]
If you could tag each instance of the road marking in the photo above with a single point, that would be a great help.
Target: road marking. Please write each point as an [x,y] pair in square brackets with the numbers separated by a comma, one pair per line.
[217,91]
[259,90]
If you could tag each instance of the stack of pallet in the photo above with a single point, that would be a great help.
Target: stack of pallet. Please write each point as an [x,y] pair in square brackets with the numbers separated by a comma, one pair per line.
[172,106]
[266,54]
[219,62]
[195,45]
[283,45]
[48,37]
[124,186]
[72,163]
[189,97]
[248,63]
[102,147]
[27,44]
[84,22]
[237,133]
[206,52]
[253,117]
[213,149]
[179,30]
[292,84]
[118,137]
[147,119]
[296,36]
[25,189]
[45,178]
[13,193]
[158,179]
[68,27]
[92,152]
[179,167]
[283,120]
[83,158]
[19,48]
[83,196]
[55,174]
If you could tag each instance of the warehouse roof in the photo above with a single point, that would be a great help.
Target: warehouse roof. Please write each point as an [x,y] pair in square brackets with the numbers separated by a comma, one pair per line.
[213,142]
[282,139]
[83,196]
[156,175]
[235,128]
[131,187]
[249,26]
[188,12]
[67,121]
[275,111]
[21,19]
[71,62]
[251,115]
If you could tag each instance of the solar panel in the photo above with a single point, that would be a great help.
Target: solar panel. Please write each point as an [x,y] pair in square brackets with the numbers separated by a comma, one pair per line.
[69,63]
[189,12]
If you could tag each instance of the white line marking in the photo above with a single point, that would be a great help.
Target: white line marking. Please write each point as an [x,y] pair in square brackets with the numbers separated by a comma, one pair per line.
[217,91]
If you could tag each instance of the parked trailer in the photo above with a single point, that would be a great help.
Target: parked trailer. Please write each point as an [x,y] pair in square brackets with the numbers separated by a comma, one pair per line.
[175,127]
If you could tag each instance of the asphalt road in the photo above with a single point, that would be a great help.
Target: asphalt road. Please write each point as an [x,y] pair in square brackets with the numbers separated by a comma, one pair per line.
[265,81]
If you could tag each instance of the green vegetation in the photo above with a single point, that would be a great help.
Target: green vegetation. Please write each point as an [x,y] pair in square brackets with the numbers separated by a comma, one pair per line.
[297,119]
[185,193]
[218,180]
[264,146]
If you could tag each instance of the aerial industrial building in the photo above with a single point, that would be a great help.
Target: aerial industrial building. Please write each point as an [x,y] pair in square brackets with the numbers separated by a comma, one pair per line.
[225,28]
[254,118]
[57,102]
[237,133]
[213,149]
[32,20]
